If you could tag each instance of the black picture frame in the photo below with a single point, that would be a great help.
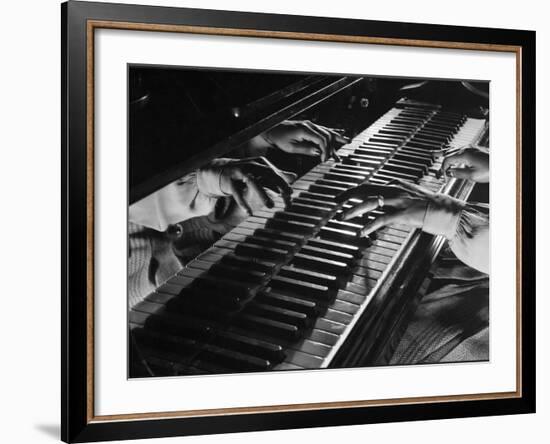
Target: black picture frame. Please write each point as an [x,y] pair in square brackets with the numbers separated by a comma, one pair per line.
[77,422]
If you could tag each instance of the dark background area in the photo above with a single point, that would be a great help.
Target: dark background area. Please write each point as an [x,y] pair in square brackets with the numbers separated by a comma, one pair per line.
[176,112]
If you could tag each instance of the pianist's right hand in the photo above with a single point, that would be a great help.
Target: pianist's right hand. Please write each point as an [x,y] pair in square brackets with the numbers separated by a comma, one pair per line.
[248,181]
[467,163]
[464,224]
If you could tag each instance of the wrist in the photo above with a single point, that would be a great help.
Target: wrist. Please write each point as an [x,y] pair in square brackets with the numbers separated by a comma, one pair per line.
[442,216]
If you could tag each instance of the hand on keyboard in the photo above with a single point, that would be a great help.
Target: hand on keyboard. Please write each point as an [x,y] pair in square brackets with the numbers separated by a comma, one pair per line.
[404,204]
[467,163]
[305,137]
[246,180]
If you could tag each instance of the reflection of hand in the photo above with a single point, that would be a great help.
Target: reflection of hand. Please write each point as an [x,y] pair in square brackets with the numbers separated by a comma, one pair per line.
[467,163]
[246,180]
[406,204]
[305,137]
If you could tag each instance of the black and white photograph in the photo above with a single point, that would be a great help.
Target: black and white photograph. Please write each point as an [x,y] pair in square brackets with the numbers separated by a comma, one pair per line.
[282,221]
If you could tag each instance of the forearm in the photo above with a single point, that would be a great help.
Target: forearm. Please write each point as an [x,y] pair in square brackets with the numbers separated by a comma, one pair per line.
[466,226]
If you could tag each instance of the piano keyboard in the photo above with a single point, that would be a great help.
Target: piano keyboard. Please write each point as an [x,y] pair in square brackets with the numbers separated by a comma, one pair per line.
[285,288]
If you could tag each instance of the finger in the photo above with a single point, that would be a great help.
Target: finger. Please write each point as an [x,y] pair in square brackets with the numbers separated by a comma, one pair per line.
[289,177]
[451,160]
[337,135]
[397,218]
[372,203]
[357,192]
[309,134]
[305,148]
[330,137]
[460,173]
[275,181]
[239,198]
[336,157]
[251,183]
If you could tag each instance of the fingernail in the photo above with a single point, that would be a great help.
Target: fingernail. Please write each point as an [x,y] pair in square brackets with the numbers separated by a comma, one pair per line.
[338,216]
[365,232]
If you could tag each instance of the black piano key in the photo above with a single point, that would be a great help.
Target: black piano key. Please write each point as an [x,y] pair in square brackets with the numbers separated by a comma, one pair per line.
[279,235]
[301,288]
[390,131]
[302,207]
[427,137]
[298,217]
[216,285]
[361,161]
[399,156]
[301,320]
[416,143]
[177,325]
[166,346]
[339,247]
[406,167]
[310,276]
[327,253]
[253,250]
[354,170]
[311,262]
[229,271]
[427,155]
[368,156]
[281,244]
[341,177]
[291,226]
[327,189]
[326,198]
[268,326]
[238,273]
[248,263]
[388,177]
[215,309]
[385,141]
[387,172]
[250,345]
[233,359]
[324,205]
[308,307]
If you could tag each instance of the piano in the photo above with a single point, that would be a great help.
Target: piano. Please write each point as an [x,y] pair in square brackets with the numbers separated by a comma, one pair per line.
[294,287]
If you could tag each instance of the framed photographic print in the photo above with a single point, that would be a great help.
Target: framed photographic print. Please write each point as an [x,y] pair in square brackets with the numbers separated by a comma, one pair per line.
[278,221]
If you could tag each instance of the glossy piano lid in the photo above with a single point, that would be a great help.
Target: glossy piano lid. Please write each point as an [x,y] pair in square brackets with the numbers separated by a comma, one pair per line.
[180,118]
